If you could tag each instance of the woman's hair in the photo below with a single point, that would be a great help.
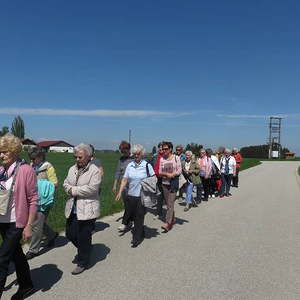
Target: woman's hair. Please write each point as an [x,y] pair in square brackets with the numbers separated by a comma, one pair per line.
[124,146]
[227,150]
[189,152]
[138,149]
[168,144]
[209,151]
[202,150]
[37,152]
[84,147]
[11,143]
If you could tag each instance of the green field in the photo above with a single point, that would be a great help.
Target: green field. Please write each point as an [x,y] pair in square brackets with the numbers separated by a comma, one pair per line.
[63,161]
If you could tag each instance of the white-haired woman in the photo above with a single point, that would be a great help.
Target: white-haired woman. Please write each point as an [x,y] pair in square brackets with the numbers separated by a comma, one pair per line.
[18,185]
[135,172]
[190,170]
[83,207]
[228,170]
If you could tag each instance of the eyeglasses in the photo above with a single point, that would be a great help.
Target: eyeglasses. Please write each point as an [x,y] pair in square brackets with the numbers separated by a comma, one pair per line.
[165,149]
[77,157]
[178,150]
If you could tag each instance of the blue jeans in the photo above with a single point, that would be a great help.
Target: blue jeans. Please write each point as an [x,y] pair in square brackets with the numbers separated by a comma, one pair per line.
[189,193]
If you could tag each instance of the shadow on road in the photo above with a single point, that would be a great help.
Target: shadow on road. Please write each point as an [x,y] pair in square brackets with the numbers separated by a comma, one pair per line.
[45,277]
[99,253]
[150,232]
[100,226]
[180,221]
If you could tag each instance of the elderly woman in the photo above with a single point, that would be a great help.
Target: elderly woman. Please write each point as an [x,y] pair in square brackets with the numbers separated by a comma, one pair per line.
[205,166]
[228,170]
[47,182]
[169,170]
[238,158]
[18,189]
[82,185]
[135,172]
[215,173]
[190,171]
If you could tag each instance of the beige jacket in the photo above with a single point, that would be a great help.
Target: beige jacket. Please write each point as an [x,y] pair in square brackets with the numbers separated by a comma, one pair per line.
[86,191]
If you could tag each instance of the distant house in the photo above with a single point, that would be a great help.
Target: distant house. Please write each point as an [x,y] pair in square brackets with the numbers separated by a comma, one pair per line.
[289,155]
[28,144]
[56,146]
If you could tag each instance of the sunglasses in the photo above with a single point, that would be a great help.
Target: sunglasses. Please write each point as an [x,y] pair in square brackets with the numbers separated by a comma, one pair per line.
[165,149]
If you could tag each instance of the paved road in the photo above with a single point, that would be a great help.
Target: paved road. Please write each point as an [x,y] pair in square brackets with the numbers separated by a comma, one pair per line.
[243,247]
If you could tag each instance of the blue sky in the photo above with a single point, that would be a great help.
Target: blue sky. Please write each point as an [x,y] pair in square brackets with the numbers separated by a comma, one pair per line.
[210,72]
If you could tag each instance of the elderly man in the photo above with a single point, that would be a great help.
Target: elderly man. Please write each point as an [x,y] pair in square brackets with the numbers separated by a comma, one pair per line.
[83,207]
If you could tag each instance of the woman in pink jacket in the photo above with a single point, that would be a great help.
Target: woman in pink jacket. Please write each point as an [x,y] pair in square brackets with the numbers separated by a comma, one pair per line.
[18,185]
[205,172]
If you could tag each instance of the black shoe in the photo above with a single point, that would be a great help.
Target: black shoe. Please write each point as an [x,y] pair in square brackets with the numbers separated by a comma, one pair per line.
[75,259]
[29,255]
[23,293]
[135,243]
[52,241]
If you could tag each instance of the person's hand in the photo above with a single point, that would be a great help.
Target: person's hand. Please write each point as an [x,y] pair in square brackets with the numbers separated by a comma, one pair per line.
[118,197]
[27,233]
[114,189]
[70,191]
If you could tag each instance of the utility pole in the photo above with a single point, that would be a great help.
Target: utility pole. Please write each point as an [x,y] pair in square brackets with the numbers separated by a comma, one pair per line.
[274,137]
[129,136]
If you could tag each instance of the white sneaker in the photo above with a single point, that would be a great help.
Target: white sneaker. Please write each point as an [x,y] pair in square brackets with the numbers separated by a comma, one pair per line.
[213,196]
[122,227]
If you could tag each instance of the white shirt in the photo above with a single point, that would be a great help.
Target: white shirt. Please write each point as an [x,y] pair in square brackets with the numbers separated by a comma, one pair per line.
[231,164]
[10,216]
[135,173]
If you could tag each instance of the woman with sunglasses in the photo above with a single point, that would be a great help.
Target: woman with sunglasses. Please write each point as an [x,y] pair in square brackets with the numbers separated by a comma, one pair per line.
[169,170]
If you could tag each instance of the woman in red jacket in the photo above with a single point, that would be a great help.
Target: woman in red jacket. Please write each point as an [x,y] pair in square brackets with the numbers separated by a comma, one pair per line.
[238,158]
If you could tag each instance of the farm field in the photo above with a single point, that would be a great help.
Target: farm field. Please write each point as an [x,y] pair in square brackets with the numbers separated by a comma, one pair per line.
[62,162]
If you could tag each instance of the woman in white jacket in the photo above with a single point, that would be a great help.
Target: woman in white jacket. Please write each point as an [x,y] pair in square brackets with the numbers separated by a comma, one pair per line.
[83,207]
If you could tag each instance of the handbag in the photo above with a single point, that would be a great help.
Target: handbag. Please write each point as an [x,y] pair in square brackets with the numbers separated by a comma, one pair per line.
[6,195]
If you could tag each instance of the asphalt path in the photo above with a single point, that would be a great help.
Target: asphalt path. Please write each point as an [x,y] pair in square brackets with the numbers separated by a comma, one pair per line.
[246,246]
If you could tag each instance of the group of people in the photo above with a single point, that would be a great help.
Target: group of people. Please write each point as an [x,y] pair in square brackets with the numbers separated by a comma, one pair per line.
[210,174]
[28,191]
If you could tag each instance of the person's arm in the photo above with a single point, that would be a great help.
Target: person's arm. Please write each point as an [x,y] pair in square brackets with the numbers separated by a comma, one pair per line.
[101,170]
[178,168]
[234,166]
[195,170]
[32,199]
[51,174]
[117,177]
[89,189]
[122,187]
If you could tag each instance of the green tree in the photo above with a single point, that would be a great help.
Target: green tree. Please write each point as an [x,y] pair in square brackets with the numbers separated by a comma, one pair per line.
[194,147]
[18,128]
[4,131]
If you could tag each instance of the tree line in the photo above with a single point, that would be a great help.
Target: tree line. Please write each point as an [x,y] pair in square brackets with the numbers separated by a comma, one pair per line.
[17,128]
